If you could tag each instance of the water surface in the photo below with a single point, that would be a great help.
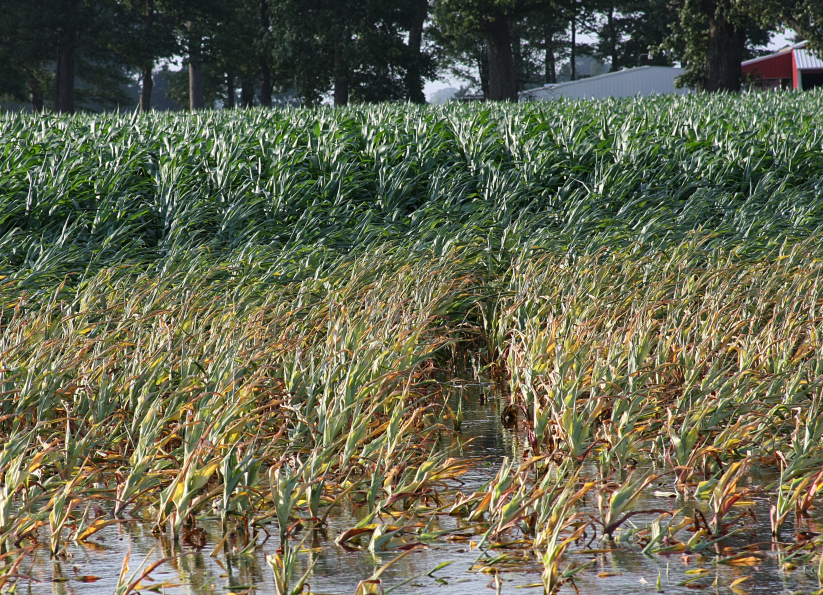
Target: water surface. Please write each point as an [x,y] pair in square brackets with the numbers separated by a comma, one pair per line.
[94,568]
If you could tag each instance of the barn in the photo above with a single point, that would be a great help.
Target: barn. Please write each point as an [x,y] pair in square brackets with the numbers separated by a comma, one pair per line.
[794,67]
[642,81]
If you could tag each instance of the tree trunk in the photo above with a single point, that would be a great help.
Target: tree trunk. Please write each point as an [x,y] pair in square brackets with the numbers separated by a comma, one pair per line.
[35,92]
[502,79]
[483,69]
[64,98]
[148,63]
[246,93]
[67,42]
[572,65]
[517,60]
[551,71]
[612,38]
[197,99]
[266,84]
[414,81]
[230,90]
[724,53]
[148,84]
[341,79]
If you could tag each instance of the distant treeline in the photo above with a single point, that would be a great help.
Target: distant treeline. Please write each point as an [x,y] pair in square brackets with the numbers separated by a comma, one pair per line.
[71,54]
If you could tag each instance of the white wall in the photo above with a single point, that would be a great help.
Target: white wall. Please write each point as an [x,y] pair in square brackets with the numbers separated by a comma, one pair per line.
[643,81]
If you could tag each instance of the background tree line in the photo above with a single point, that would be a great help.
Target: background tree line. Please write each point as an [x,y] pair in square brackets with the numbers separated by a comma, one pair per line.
[62,54]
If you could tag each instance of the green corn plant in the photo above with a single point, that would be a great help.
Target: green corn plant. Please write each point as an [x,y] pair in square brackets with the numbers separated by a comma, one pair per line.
[61,506]
[725,494]
[15,474]
[494,491]
[621,503]
[788,498]
[235,473]
[286,490]
[180,498]
[313,478]
[555,544]
[382,537]
[172,285]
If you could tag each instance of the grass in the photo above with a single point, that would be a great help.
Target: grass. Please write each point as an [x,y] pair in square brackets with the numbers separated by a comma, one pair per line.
[242,315]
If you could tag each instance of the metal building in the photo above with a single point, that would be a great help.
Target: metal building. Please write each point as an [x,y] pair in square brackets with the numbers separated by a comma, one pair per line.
[793,67]
[642,81]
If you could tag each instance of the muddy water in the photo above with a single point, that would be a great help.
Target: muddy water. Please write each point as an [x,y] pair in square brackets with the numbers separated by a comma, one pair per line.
[93,569]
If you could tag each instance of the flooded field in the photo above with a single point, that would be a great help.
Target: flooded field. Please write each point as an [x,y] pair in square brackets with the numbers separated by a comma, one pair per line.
[243,347]
[620,566]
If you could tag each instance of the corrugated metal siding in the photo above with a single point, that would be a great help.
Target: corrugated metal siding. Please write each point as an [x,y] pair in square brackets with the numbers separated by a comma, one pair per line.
[644,81]
[806,60]
[776,66]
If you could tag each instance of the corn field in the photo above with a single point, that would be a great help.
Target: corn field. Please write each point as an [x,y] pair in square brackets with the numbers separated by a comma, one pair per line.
[253,319]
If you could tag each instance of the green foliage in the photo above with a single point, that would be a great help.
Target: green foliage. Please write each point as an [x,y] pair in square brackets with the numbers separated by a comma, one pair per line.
[353,44]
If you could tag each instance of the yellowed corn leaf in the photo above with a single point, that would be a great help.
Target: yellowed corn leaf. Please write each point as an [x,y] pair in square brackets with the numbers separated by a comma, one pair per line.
[747,561]
[95,526]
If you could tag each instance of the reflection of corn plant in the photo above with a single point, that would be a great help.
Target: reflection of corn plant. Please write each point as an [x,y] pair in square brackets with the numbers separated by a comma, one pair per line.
[126,583]
[283,568]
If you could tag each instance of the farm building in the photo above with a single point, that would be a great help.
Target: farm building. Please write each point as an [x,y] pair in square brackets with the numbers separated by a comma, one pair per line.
[643,81]
[793,67]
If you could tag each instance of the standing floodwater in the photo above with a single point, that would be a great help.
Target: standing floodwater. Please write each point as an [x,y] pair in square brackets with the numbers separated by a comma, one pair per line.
[94,567]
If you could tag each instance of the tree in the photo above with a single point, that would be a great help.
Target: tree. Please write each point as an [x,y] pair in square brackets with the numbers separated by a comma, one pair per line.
[24,52]
[711,38]
[354,49]
[631,31]
[147,31]
[64,49]
[552,30]
[459,19]
[464,55]
[418,59]
[805,17]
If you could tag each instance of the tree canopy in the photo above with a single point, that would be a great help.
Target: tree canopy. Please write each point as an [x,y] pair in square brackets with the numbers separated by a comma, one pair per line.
[82,54]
